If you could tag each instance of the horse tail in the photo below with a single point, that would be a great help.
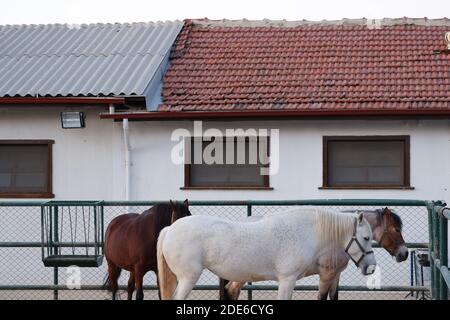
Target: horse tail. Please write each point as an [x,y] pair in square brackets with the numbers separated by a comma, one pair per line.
[107,279]
[166,278]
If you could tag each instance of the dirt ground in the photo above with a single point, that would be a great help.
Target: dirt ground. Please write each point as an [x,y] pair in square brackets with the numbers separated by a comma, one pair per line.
[196,295]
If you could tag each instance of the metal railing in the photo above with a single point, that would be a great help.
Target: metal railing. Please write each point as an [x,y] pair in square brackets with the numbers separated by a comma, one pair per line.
[438,216]
[230,210]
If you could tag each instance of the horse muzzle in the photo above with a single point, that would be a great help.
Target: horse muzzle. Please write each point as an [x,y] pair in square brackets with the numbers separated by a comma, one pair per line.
[401,254]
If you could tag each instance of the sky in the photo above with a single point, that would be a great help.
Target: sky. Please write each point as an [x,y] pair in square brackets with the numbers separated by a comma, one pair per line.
[88,11]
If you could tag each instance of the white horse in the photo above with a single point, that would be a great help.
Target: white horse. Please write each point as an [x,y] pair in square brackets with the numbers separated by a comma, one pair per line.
[386,229]
[283,247]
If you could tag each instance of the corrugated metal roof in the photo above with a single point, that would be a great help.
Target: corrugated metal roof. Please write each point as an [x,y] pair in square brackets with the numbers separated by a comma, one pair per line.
[83,60]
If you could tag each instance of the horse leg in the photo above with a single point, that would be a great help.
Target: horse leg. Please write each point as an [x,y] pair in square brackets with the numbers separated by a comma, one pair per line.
[334,290]
[131,286]
[139,279]
[233,289]
[186,284]
[113,274]
[229,290]
[327,277]
[286,287]
[223,292]
[324,288]
[329,281]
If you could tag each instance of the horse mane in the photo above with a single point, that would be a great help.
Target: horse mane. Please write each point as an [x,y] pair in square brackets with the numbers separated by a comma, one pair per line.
[395,217]
[333,229]
[162,213]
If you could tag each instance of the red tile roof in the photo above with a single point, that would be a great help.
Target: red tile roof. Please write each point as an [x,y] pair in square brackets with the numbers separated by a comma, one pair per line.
[346,65]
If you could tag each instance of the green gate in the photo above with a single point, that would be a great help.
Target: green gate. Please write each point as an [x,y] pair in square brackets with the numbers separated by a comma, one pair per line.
[438,216]
[72,233]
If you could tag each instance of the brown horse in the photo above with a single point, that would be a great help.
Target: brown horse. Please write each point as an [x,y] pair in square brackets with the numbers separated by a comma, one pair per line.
[130,244]
[386,229]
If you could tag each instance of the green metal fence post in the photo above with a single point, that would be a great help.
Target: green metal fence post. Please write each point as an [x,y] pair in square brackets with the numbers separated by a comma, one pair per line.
[55,282]
[96,248]
[43,234]
[443,255]
[249,291]
[103,227]
[55,252]
[437,277]
[431,247]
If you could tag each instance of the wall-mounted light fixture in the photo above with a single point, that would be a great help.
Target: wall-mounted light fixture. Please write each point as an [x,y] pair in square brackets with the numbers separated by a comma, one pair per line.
[72,120]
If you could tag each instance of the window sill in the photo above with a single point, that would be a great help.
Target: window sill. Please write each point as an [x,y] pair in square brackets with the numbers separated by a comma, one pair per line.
[366,188]
[27,195]
[225,188]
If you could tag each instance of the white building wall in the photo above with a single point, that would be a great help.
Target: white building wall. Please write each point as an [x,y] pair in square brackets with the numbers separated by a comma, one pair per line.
[89,163]
[83,159]
[300,175]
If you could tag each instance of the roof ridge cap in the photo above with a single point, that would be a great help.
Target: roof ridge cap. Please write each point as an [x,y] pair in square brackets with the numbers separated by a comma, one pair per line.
[345,21]
[91,24]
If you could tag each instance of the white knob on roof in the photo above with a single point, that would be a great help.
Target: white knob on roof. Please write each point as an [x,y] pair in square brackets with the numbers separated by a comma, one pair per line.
[447,39]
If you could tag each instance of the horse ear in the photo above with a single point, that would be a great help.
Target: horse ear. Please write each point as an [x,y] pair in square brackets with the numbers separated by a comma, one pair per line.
[174,212]
[386,212]
[360,217]
[173,206]
[186,203]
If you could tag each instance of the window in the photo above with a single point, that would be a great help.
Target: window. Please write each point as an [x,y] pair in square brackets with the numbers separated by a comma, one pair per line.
[366,162]
[230,169]
[26,168]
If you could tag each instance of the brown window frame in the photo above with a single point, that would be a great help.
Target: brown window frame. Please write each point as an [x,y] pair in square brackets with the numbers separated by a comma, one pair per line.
[189,186]
[406,161]
[48,193]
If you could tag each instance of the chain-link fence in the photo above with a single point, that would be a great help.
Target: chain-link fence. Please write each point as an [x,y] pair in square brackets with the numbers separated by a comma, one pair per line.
[23,275]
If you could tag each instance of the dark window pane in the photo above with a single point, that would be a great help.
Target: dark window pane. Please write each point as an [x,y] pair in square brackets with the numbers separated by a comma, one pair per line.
[31,180]
[366,163]
[5,180]
[238,163]
[204,175]
[23,168]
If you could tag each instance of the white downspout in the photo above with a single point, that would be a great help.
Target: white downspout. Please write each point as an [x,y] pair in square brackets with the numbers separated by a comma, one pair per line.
[126,139]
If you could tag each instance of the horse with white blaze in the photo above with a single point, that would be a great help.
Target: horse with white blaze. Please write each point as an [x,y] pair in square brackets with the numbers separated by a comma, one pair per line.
[282,247]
